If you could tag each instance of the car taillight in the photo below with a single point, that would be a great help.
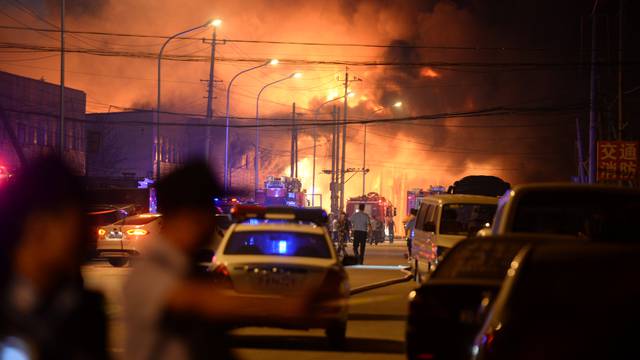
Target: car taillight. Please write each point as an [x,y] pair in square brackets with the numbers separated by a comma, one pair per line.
[137,232]
[221,276]
[102,232]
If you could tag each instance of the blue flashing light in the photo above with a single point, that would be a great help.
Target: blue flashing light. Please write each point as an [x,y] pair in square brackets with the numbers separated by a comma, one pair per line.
[282,247]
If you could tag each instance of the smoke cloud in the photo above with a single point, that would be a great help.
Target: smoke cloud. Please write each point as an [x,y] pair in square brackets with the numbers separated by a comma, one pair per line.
[400,156]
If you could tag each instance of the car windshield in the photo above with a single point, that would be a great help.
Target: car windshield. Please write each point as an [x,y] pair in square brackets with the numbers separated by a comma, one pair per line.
[465,219]
[137,220]
[578,213]
[278,243]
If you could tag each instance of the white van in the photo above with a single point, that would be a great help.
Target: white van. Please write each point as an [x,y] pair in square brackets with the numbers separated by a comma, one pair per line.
[444,220]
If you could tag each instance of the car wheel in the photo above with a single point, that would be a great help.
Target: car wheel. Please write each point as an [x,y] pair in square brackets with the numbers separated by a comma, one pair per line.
[118,262]
[337,334]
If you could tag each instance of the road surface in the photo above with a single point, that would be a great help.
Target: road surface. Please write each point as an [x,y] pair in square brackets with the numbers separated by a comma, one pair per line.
[376,317]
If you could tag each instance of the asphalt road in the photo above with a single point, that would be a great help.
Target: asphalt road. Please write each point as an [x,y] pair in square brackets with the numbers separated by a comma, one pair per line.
[376,317]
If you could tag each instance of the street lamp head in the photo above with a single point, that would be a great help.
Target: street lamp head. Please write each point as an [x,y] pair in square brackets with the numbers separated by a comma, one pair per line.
[273,62]
[398,104]
[296,75]
[215,23]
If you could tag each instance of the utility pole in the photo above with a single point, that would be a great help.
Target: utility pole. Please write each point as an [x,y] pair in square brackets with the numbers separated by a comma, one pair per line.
[210,87]
[364,161]
[313,168]
[593,110]
[581,176]
[620,94]
[293,140]
[61,125]
[334,160]
[344,134]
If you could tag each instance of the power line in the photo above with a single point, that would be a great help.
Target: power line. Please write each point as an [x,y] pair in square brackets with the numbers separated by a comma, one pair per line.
[440,65]
[296,43]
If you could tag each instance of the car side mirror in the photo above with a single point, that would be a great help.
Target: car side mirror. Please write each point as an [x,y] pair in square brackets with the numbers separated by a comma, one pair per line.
[349,260]
[483,232]
[429,226]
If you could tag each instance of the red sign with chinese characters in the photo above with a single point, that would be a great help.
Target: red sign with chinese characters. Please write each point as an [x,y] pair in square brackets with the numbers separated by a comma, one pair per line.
[617,160]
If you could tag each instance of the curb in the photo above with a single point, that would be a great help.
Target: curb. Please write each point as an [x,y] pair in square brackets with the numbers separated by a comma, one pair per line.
[360,289]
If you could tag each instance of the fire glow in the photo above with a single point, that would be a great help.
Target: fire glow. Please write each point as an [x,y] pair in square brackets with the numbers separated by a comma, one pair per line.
[428,72]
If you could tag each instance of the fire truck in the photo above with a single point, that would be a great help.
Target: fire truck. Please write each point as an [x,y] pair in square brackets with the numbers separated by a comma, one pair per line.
[415,196]
[378,208]
[281,191]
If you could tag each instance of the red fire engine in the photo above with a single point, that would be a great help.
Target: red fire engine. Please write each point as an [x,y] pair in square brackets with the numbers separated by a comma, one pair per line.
[378,208]
[281,191]
[415,196]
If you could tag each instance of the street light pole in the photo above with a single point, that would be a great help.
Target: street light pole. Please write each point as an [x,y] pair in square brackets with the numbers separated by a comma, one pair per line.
[226,138]
[256,159]
[158,151]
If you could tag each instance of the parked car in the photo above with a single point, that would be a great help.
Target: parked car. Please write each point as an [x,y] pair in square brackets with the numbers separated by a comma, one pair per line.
[559,301]
[447,311]
[444,220]
[102,215]
[125,238]
[573,210]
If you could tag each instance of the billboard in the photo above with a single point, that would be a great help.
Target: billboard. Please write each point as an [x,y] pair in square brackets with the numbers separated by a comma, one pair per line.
[617,160]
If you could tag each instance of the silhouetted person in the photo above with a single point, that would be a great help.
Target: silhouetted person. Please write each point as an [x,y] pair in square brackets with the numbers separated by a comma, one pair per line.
[409,230]
[361,224]
[171,312]
[45,312]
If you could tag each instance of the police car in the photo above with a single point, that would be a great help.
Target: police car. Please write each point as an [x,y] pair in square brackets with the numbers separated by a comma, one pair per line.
[284,252]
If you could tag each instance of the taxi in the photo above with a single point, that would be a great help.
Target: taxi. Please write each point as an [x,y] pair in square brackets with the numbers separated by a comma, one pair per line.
[283,252]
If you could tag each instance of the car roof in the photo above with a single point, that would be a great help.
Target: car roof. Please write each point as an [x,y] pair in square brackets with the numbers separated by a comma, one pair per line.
[145,215]
[564,186]
[478,259]
[281,226]
[461,199]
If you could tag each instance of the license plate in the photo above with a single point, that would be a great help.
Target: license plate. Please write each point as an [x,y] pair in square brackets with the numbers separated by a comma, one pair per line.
[114,236]
[280,281]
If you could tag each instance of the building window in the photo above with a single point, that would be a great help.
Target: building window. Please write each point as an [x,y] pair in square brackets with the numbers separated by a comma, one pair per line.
[94,140]
[33,135]
[40,135]
[22,133]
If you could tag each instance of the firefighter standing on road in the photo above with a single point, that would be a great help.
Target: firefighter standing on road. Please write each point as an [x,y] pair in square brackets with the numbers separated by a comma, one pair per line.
[361,225]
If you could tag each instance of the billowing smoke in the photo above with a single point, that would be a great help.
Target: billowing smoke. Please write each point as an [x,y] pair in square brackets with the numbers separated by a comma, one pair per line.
[401,156]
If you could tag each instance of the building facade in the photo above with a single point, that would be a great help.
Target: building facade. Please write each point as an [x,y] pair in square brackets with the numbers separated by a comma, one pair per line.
[30,121]
[123,144]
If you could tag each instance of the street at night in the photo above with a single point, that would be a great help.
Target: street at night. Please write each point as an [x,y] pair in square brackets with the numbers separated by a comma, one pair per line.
[377,317]
[313,180]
